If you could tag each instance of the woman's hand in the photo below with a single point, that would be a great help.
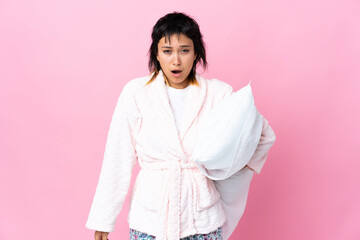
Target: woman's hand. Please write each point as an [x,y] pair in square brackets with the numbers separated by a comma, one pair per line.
[101,235]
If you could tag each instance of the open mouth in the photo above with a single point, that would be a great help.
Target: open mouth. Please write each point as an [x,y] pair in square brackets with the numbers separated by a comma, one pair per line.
[176,71]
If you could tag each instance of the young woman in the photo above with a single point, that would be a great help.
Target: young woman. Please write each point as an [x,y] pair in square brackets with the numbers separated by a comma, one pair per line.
[156,123]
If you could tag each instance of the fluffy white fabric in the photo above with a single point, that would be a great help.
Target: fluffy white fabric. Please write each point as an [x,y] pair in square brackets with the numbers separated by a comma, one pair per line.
[234,192]
[232,145]
[229,136]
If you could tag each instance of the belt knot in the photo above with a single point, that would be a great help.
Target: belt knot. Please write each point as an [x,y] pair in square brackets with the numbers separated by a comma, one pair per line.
[169,224]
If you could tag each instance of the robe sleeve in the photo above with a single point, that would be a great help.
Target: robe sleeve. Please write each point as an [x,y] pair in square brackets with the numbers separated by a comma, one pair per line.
[118,162]
[266,141]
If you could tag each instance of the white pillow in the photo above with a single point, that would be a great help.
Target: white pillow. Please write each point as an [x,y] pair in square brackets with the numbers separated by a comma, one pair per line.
[228,136]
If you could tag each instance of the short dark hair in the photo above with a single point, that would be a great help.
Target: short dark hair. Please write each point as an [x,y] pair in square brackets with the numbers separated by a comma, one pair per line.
[176,23]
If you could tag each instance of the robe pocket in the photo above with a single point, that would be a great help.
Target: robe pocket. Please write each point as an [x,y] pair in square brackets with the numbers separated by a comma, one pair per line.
[207,193]
[148,191]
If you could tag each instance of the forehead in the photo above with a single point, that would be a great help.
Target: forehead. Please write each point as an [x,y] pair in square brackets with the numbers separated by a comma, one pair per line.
[176,38]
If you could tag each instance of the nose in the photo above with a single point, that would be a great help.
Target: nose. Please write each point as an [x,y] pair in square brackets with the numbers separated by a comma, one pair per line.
[176,60]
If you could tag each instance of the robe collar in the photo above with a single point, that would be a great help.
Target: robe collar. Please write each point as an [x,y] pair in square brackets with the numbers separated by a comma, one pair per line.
[193,102]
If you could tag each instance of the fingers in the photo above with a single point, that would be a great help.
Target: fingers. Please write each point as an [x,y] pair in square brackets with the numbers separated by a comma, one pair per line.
[97,235]
[104,236]
[101,235]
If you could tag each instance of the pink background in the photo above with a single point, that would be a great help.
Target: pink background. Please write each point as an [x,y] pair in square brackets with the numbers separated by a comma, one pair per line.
[64,63]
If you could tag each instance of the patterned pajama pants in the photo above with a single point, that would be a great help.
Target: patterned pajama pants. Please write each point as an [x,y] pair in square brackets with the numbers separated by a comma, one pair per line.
[215,235]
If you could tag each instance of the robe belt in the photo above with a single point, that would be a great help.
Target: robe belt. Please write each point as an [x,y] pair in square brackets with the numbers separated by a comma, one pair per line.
[169,225]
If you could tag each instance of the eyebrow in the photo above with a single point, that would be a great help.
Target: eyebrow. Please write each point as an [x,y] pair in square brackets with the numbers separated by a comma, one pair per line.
[180,46]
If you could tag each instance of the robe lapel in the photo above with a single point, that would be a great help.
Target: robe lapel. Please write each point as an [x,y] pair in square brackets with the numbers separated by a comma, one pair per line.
[192,105]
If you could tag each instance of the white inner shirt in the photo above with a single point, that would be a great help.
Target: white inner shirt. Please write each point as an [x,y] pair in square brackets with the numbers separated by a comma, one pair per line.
[177,98]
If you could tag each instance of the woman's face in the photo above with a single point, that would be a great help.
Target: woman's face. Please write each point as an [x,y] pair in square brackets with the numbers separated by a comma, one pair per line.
[176,58]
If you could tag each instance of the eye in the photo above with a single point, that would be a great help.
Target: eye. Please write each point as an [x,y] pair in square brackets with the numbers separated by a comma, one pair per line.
[166,51]
[185,50]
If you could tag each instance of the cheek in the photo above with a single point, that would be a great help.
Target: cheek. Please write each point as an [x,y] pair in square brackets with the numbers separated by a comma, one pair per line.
[163,59]
[190,61]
